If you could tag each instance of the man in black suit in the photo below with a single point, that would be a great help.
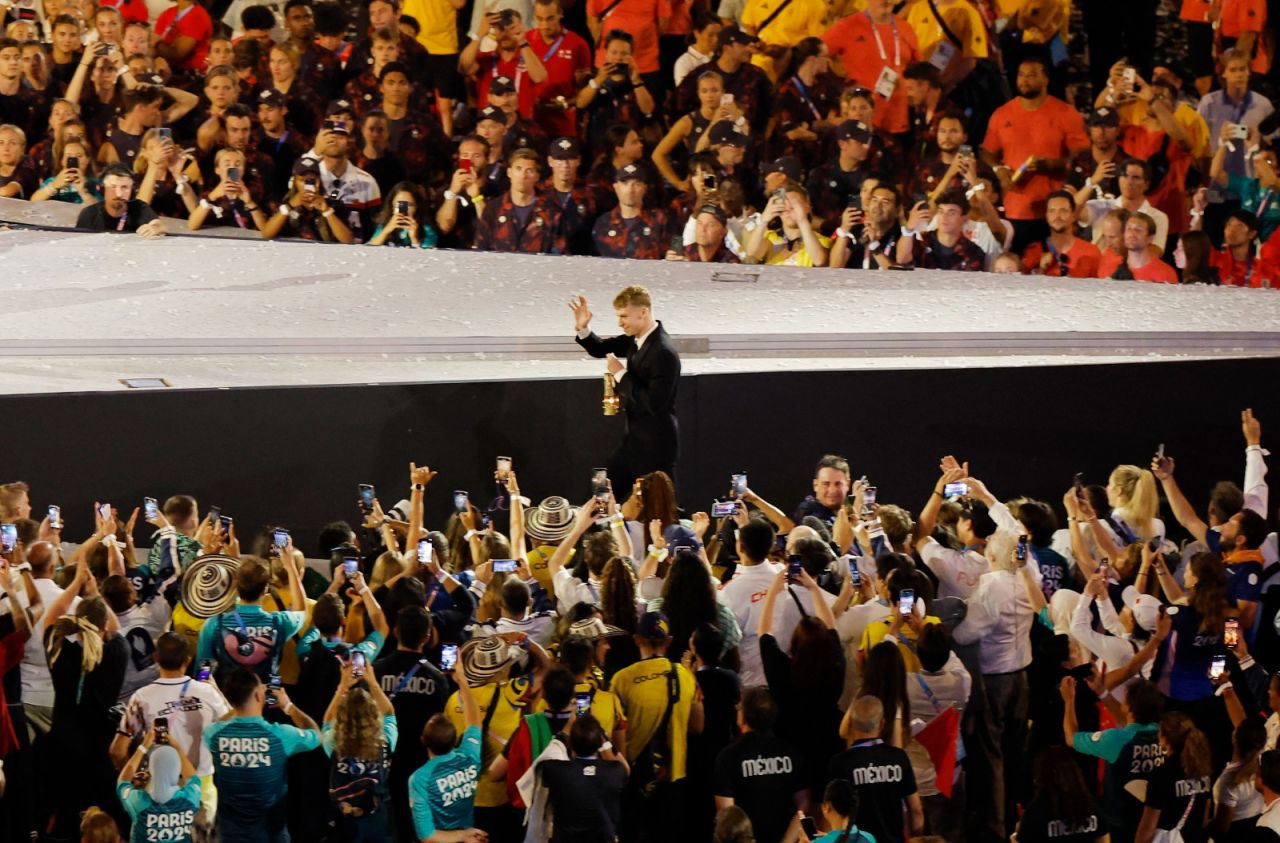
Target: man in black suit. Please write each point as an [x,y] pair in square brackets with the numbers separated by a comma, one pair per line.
[647,384]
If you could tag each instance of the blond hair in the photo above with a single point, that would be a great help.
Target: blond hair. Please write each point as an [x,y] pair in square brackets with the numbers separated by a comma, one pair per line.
[1138,497]
[357,727]
[633,296]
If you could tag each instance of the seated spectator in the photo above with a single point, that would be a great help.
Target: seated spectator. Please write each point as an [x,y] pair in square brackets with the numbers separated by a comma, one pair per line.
[868,236]
[520,220]
[1062,253]
[17,175]
[629,230]
[75,181]
[1237,264]
[1140,262]
[398,223]
[708,246]
[1134,179]
[793,241]
[229,203]
[118,211]
[1193,258]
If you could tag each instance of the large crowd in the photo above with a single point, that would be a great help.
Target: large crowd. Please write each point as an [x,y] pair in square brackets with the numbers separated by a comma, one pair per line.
[966,666]
[843,133]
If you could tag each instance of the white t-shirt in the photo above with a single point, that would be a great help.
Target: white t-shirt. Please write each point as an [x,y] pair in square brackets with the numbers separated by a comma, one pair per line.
[539,627]
[141,625]
[957,571]
[744,595]
[1243,798]
[190,707]
[850,627]
[37,684]
[570,590]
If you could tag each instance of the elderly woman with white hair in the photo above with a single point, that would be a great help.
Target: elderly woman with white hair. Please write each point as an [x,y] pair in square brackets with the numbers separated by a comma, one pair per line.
[1001,612]
[163,793]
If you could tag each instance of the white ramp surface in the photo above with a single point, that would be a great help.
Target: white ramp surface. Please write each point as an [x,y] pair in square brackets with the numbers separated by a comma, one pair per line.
[84,311]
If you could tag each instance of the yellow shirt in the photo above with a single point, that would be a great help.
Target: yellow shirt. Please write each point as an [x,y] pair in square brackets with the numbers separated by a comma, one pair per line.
[964,21]
[778,256]
[642,687]
[799,20]
[512,697]
[1135,113]
[605,707]
[875,633]
[439,22]
[538,560]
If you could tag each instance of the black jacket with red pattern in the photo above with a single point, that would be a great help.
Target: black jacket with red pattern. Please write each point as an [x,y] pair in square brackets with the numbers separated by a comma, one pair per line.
[498,229]
[646,237]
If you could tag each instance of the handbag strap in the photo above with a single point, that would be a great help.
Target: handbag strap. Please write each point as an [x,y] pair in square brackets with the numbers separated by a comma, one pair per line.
[946,30]
[772,15]
[1185,814]
[604,13]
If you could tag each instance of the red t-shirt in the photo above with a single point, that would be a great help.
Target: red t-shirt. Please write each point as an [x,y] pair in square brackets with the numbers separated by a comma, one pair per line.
[193,22]
[1083,260]
[133,11]
[1196,11]
[866,49]
[1156,270]
[492,65]
[570,54]
[638,17]
[1054,130]
[1242,16]
[1251,272]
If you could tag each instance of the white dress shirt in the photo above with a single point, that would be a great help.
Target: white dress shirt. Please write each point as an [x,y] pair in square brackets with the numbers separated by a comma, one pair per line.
[1000,616]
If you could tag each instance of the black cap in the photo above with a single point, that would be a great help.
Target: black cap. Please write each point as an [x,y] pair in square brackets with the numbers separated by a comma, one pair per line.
[306,166]
[1104,117]
[788,166]
[854,130]
[564,149]
[340,107]
[502,85]
[715,211]
[629,172]
[725,132]
[731,34]
[271,97]
[491,112]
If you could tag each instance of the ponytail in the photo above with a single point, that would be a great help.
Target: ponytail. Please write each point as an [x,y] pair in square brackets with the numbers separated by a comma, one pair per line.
[1141,499]
[1188,743]
[90,641]
[841,795]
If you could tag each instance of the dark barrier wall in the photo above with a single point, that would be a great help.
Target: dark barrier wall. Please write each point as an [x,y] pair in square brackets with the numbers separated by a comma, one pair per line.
[295,455]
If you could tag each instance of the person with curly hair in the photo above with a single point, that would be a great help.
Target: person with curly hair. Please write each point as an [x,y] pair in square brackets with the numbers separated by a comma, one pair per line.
[359,733]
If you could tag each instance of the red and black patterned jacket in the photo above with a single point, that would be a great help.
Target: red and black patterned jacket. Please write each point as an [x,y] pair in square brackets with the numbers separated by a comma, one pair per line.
[643,237]
[722,255]
[577,214]
[965,256]
[498,229]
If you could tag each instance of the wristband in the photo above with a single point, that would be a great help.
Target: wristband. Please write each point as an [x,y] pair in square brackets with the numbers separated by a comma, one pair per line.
[470,534]
[607,746]
[449,194]
[418,487]
[1222,689]
[288,709]
[617,520]
[181,188]
[283,210]
[1246,663]
[1088,182]
[328,212]
[658,553]
[364,591]
[593,84]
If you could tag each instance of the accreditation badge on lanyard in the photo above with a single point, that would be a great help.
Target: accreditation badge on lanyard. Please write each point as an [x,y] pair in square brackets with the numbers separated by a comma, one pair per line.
[943,53]
[888,81]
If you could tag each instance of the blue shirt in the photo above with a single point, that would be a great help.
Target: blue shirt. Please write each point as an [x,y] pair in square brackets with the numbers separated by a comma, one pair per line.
[442,792]
[171,821]
[856,835]
[1217,108]
[265,631]
[249,756]
[370,646]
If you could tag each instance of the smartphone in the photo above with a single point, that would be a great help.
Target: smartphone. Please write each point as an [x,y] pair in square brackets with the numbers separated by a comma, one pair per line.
[366,495]
[280,539]
[854,574]
[793,568]
[851,500]
[708,182]
[206,670]
[150,508]
[1160,452]
[73,162]
[448,656]
[906,601]
[164,133]
[357,663]
[739,485]
[335,126]
[965,151]
[226,521]
[402,207]
[955,490]
[1218,666]
[1231,633]
[104,511]
[464,164]
[855,202]
[1102,568]
[726,99]
[101,49]
[598,476]
[1021,553]
[1154,545]
[582,704]
[350,565]
[425,549]
[273,685]
[55,517]
[723,509]
[309,186]
[233,174]
[1078,483]
[215,512]
[162,729]
[809,827]
[460,500]
[1239,132]
[868,500]
[780,194]
[1130,76]
[8,537]
[504,566]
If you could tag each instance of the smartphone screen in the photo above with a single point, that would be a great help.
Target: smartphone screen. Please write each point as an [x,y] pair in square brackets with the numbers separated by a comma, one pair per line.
[1231,633]
[503,465]
[1160,451]
[366,495]
[164,133]
[723,509]
[104,512]
[226,521]
[1078,482]
[350,565]
[460,500]
[272,686]
[1217,667]
[162,725]
[1022,549]
[869,498]
[448,656]
[794,567]
[581,704]
[906,601]
[739,484]
[151,508]
[854,574]
[55,517]
[402,208]
[955,490]
[424,551]
[8,537]
[280,538]
[206,670]
[357,663]
[504,566]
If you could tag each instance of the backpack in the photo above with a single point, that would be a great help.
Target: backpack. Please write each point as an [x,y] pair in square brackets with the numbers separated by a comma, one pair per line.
[357,787]
[234,646]
[318,678]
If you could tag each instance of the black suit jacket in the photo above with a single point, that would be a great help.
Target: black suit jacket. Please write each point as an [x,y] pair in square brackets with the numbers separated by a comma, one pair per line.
[648,392]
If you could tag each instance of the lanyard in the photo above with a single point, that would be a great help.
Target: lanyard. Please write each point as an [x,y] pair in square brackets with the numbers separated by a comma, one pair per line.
[176,18]
[124,219]
[1243,107]
[1263,203]
[519,71]
[805,95]
[897,43]
[933,698]
[551,51]
[407,678]
[1057,258]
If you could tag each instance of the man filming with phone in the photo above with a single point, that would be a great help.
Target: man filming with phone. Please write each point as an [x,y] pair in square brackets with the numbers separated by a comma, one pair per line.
[646,382]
